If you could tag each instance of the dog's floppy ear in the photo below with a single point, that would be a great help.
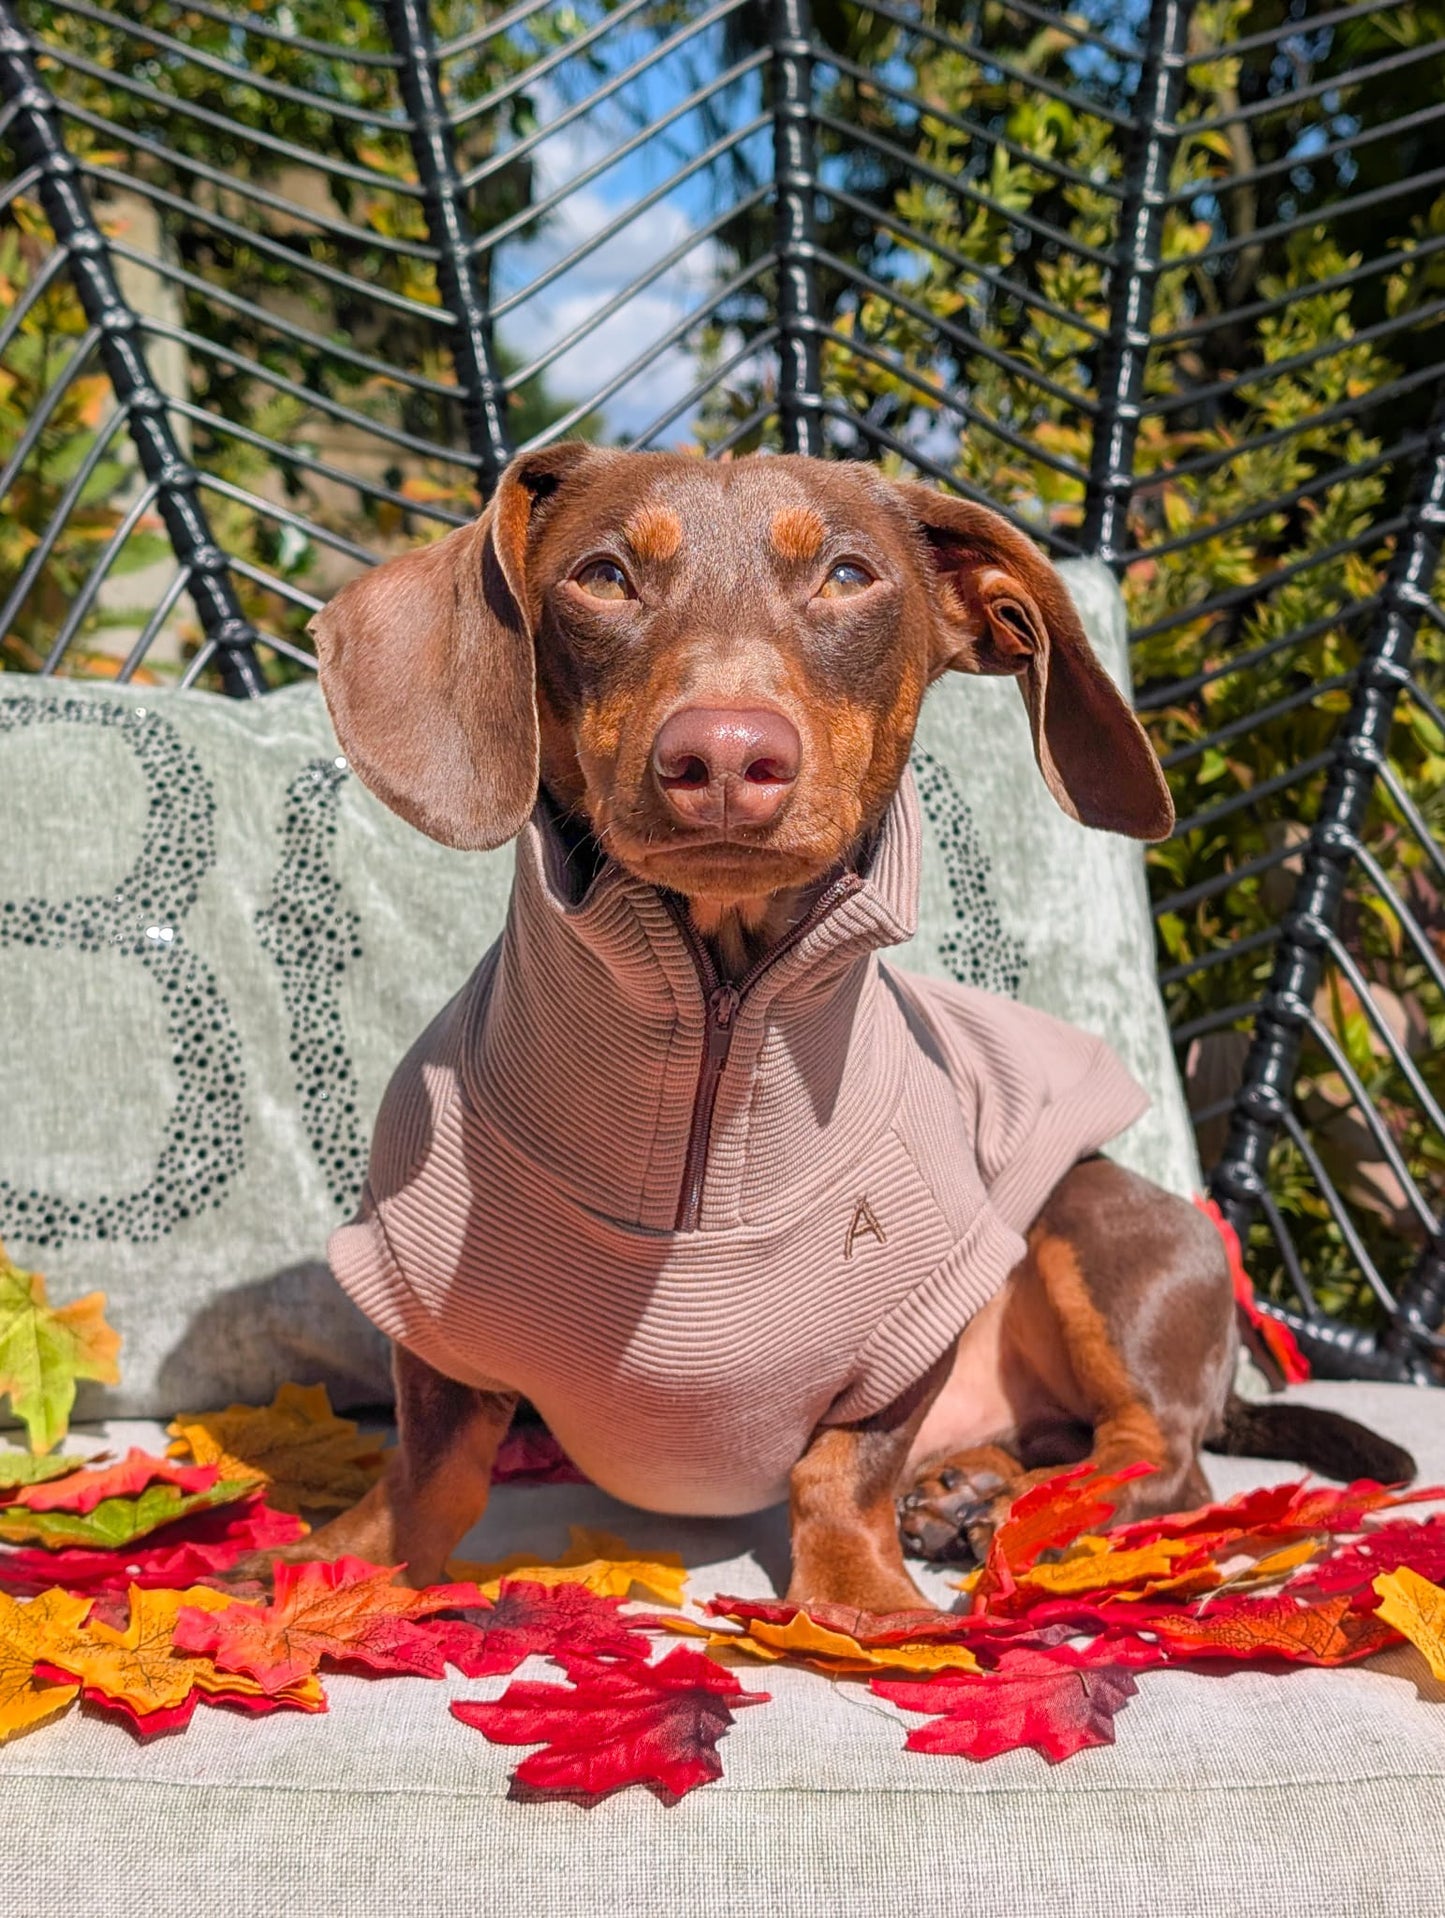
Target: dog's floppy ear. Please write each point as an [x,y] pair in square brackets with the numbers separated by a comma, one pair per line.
[1003,609]
[428,667]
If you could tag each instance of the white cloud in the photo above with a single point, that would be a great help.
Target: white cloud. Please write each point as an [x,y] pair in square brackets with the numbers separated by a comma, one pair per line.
[548,315]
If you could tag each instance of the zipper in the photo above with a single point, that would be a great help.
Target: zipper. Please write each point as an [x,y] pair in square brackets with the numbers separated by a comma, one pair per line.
[723,998]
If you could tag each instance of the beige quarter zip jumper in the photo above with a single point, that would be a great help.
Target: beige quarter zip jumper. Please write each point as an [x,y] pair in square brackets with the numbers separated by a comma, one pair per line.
[692,1221]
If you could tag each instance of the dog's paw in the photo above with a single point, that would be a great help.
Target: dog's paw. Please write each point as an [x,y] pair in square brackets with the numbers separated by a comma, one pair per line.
[951,1515]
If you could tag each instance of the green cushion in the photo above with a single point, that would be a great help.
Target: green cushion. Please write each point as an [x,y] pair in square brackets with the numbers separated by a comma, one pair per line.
[217,945]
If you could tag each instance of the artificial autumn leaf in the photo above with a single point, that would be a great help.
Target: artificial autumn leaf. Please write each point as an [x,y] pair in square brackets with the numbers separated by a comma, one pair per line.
[1248,1628]
[346,1610]
[118,1521]
[306,1695]
[617,1724]
[82,1491]
[25,1630]
[1418,1544]
[138,1668]
[203,1545]
[1272,1510]
[1054,1706]
[1103,1570]
[530,1455]
[307,1458]
[604,1564]
[839,1654]
[1270,1566]
[1417,1608]
[28,1468]
[867,1628]
[1051,1513]
[45,1349]
[526,1617]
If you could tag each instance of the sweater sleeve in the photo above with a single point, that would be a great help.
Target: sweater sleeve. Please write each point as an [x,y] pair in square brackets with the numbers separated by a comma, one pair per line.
[1037,1095]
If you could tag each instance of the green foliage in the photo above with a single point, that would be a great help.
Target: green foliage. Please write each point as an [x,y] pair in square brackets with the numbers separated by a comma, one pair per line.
[167,111]
[72,454]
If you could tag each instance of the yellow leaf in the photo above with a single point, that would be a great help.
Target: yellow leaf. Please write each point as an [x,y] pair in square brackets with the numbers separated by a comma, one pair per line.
[140,1666]
[1272,1565]
[307,1458]
[837,1652]
[26,1630]
[687,1627]
[604,1564]
[1417,1608]
[1095,1570]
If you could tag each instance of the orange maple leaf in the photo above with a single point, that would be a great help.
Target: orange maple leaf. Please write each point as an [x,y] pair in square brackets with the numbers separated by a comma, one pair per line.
[140,1668]
[26,1631]
[345,1610]
[307,1458]
[838,1653]
[1248,1628]
[83,1490]
[1053,1512]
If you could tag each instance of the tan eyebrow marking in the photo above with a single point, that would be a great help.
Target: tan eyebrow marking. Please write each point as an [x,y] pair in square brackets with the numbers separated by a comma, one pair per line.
[797,532]
[654,532]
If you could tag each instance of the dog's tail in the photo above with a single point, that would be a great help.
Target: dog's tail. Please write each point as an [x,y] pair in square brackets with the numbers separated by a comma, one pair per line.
[1326,1442]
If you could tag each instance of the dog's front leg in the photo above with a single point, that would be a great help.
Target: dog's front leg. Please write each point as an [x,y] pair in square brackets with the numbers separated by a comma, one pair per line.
[841,1508]
[436,1483]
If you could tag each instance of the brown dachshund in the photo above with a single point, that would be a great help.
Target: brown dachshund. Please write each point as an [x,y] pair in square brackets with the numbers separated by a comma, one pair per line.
[712,674]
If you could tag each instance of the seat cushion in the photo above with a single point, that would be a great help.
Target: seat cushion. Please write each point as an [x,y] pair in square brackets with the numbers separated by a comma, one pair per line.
[1315,1793]
[217,946]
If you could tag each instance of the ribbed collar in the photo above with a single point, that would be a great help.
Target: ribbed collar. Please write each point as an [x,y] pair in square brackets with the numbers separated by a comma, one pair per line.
[604,914]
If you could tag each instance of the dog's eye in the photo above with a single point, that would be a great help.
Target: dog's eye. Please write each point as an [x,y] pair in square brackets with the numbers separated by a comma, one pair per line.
[604,579]
[847,577]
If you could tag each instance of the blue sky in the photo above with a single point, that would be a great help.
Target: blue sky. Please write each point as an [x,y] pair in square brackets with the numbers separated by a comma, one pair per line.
[549,314]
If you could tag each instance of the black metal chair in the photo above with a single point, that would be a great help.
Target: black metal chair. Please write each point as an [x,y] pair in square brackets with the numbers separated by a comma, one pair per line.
[322,270]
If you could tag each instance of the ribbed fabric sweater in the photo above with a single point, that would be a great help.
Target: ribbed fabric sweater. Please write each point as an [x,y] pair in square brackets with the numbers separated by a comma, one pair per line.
[692,1226]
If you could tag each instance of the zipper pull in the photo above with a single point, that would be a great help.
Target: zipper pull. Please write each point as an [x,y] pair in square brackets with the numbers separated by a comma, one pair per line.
[722,1004]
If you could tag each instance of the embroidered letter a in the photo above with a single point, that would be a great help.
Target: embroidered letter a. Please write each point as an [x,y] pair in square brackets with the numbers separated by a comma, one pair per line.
[865,1225]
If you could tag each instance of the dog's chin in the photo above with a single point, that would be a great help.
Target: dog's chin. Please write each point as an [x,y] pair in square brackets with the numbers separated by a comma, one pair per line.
[721,874]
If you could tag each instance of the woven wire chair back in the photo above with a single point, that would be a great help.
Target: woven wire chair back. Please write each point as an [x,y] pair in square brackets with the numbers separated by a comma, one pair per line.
[287,287]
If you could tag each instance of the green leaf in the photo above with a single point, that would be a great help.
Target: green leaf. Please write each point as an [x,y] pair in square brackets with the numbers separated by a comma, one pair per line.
[25,1468]
[45,1349]
[117,1521]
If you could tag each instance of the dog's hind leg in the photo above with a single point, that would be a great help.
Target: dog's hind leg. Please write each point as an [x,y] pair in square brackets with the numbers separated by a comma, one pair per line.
[1122,1314]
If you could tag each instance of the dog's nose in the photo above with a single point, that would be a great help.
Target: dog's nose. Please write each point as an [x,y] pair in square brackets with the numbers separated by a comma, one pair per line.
[723,767]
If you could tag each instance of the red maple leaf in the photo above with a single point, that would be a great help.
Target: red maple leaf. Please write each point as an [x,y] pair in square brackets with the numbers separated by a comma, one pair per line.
[526,1617]
[1054,1512]
[347,1610]
[201,1546]
[82,1491]
[1420,1545]
[1274,1511]
[1114,1645]
[1055,1705]
[617,1724]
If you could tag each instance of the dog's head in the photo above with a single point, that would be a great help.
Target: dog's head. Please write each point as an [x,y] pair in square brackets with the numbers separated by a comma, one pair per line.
[718,667]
